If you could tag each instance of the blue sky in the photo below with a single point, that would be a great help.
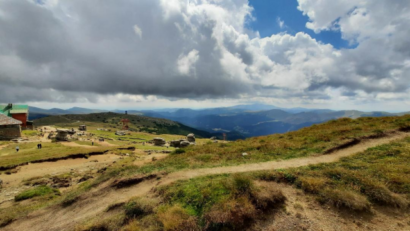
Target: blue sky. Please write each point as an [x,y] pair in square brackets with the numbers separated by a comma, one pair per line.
[267,13]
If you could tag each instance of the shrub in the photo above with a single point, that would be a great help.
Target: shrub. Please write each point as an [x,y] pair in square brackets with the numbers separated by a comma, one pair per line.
[268,195]
[140,207]
[36,192]
[242,184]
[311,184]
[133,225]
[382,195]
[230,213]
[176,218]
[178,151]
[344,198]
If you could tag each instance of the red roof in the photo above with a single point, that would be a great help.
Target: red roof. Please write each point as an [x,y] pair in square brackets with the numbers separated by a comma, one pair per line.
[5,120]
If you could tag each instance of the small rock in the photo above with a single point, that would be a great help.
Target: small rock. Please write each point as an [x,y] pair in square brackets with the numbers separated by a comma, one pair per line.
[95,161]
[244,154]
[102,170]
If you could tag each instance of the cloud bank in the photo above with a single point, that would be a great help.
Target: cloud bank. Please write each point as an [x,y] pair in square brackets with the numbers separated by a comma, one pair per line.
[86,51]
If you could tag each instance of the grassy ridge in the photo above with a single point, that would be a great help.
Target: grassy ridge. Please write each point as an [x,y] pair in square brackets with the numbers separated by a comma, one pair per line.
[317,139]
[113,120]
[378,176]
[29,153]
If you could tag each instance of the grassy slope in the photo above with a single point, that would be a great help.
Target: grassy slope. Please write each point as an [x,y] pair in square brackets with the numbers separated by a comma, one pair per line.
[316,139]
[29,152]
[112,120]
[378,176]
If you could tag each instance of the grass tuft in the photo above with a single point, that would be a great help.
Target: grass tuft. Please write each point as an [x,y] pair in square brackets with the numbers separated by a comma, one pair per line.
[37,192]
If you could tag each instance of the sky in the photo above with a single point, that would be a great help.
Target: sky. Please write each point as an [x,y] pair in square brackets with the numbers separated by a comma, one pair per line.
[129,54]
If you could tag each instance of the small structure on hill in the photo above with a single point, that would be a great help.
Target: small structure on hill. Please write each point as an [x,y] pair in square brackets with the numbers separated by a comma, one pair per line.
[158,141]
[18,112]
[120,133]
[62,135]
[125,123]
[82,128]
[191,138]
[9,128]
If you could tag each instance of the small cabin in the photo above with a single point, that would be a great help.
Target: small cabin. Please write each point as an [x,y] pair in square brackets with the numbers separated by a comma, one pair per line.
[9,128]
[82,128]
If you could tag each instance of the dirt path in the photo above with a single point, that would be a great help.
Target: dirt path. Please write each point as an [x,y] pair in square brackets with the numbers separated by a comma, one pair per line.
[11,183]
[58,218]
[105,143]
[73,144]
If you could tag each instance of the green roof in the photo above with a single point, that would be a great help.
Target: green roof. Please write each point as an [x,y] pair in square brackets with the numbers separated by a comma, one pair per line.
[15,109]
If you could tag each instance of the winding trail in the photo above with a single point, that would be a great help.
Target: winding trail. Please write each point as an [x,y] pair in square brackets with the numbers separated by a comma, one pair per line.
[58,218]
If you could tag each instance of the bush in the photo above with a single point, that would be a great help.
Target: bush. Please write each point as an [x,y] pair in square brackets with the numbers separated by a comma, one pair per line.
[178,151]
[140,207]
[267,196]
[311,184]
[344,198]
[36,192]
[177,218]
[133,225]
[230,213]
[382,195]
[242,184]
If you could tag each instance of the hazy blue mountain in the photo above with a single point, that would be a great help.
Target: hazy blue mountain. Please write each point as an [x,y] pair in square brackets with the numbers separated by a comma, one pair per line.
[237,121]
[79,110]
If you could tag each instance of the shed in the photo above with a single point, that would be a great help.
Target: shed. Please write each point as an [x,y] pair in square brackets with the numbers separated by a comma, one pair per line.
[9,128]
[82,128]
[18,112]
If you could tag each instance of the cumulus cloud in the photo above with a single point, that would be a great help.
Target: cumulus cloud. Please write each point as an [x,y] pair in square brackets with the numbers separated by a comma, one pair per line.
[73,50]
[280,22]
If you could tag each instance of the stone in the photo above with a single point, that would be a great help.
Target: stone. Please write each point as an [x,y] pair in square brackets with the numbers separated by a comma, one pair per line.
[158,141]
[62,135]
[191,138]
[213,138]
[175,143]
[120,133]
[184,144]
[244,154]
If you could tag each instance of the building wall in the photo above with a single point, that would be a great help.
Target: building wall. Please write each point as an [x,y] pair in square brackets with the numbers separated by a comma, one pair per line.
[22,118]
[8,132]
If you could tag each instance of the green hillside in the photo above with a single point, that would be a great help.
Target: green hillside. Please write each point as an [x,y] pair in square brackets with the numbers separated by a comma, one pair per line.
[113,120]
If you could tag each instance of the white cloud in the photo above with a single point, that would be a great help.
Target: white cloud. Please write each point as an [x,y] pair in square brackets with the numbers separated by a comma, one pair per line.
[280,22]
[138,31]
[201,49]
[186,62]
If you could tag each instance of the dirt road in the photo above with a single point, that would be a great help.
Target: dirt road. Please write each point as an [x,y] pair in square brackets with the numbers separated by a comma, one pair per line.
[57,218]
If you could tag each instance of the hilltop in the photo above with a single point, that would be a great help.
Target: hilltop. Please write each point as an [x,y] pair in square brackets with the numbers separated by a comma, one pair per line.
[113,120]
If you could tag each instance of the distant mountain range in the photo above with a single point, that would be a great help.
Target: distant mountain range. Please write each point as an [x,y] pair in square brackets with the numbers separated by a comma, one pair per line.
[248,120]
